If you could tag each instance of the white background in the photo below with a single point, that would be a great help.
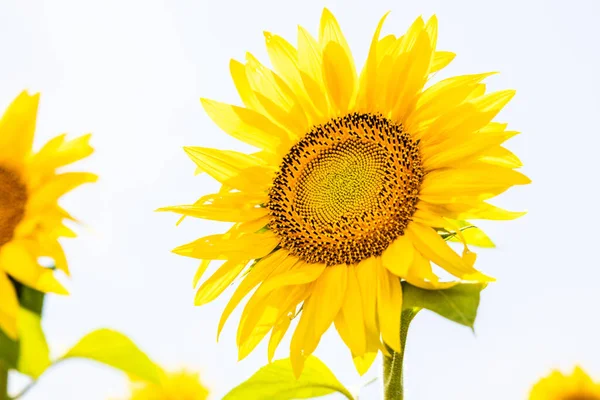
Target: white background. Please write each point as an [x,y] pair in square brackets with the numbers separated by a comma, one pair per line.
[132,72]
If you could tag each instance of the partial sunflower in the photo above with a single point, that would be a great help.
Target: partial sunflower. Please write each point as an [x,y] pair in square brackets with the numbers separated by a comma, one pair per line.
[180,385]
[557,386]
[31,221]
[356,183]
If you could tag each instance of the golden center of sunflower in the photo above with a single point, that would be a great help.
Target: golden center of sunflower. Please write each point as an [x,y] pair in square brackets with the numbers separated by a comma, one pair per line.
[346,190]
[582,397]
[13,198]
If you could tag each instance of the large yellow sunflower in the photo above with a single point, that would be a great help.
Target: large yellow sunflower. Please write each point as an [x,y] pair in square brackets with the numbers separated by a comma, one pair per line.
[557,386]
[31,221]
[180,385]
[356,180]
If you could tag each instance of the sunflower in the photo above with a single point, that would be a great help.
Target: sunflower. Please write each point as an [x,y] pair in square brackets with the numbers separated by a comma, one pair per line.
[174,386]
[356,182]
[31,221]
[578,386]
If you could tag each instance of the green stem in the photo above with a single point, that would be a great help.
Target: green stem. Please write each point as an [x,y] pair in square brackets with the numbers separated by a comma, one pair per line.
[3,382]
[393,385]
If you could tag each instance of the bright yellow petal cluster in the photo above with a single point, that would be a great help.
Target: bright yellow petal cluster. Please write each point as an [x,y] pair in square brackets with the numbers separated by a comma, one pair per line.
[557,386]
[175,386]
[31,221]
[314,96]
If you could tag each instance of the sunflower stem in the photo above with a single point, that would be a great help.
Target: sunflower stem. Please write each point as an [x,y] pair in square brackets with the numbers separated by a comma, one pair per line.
[3,382]
[393,379]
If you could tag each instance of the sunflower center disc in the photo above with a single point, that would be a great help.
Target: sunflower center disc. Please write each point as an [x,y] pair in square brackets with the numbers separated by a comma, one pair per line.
[13,198]
[346,190]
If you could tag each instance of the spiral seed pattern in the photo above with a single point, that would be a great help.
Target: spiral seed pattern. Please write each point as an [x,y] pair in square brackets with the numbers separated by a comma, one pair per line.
[346,190]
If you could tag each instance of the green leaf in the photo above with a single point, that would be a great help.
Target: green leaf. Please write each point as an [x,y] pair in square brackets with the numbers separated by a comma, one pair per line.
[118,351]
[458,303]
[9,351]
[34,354]
[277,381]
[31,299]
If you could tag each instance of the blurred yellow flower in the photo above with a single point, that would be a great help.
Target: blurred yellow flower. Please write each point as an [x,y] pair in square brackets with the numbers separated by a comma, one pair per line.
[31,221]
[175,386]
[356,177]
[557,386]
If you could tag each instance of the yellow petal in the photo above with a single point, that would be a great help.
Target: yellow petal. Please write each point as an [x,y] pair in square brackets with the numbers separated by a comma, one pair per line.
[475,181]
[406,42]
[9,306]
[257,274]
[240,80]
[442,97]
[309,56]
[278,332]
[384,46]
[398,257]
[50,247]
[474,236]
[18,262]
[441,59]
[253,226]
[494,102]
[330,31]
[57,153]
[218,212]
[284,58]
[262,299]
[318,313]
[237,170]
[431,27]
[264,81]
[17,128]
[433,247]
[413,76]
[56,187]
[366,273]
[389,308]
[338,75]
[482,210]
[459,121]
[200,272]
[349,322]
[299,273]
[502,157]
[467,117]
[219,281]
[421,275]
[478,92]
[363,363]
[318,95]
[427,215]
[220,247]
[292,119]
[247,125]
[262,314]
[368,81]
[459,150]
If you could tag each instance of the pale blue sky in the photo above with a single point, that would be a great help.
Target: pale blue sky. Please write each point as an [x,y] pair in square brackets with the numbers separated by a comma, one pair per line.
[132,72]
